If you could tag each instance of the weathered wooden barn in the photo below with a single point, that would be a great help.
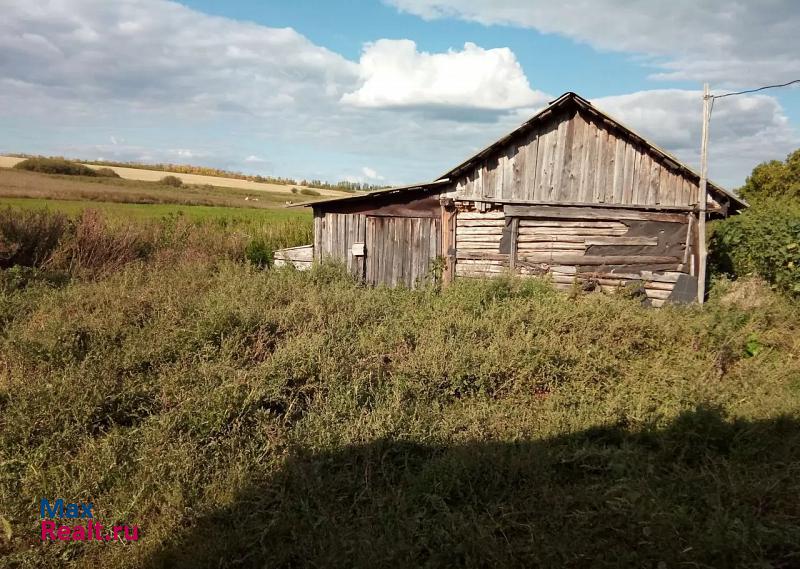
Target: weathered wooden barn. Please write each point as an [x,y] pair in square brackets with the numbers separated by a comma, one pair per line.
[572,193]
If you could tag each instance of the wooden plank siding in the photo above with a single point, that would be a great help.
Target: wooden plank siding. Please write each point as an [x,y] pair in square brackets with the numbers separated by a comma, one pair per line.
[577,158]
[299,257]
[334,237]
[401,250]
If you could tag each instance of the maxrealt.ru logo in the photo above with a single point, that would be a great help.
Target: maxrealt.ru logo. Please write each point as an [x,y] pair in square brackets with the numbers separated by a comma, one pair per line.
[87,530]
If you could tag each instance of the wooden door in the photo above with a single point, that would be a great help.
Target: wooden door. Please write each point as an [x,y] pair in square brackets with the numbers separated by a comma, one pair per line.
[401,250]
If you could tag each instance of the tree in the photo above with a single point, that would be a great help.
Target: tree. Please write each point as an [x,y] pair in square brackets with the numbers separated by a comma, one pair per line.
[774,179]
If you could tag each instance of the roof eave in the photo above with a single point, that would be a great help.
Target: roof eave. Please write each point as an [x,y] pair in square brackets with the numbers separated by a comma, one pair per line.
[375,193]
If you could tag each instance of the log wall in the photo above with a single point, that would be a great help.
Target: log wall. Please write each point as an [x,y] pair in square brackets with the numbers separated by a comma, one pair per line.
[587,246]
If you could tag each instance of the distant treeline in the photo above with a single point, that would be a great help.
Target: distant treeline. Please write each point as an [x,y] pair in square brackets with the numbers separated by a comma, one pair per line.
[206,171]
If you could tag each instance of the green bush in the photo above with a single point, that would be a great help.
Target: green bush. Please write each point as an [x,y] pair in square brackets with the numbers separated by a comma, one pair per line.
[309,192]
[763,240]
[55,166]
[173,181]
[106,173]
[259,253]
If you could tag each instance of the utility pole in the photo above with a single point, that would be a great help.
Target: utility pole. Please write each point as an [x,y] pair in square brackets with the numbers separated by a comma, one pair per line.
[702,198]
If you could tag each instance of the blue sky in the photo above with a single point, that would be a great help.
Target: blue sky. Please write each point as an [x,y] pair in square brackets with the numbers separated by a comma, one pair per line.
[384,92]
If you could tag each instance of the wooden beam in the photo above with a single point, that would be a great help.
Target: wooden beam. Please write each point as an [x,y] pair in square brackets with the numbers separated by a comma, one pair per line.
[487,255]
[512,261]
[587,212]
[602,240]
[637,207]
[573,259]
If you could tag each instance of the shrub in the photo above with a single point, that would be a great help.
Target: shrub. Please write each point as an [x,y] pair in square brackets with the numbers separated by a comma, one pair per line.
[173,181]
[95,249]
[259,253]
[309,192]
[106,173]
[55,166]
[295,190]
[29,238]
[764,240]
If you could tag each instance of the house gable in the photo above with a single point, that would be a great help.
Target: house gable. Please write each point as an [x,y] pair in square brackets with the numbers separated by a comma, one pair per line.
[575,157]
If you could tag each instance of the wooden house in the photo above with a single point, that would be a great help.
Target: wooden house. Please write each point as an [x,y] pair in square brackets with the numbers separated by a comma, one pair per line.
[571,193]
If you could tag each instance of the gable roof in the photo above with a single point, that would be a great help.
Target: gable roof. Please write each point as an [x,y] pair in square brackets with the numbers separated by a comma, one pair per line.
[566,101]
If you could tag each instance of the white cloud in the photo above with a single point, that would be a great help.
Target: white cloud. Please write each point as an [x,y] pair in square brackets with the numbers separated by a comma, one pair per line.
[371,174]
[396,75]
[253,159]
[155,54]
[726,43]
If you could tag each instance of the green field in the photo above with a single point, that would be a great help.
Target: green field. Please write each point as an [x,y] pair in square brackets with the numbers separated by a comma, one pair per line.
[154,211]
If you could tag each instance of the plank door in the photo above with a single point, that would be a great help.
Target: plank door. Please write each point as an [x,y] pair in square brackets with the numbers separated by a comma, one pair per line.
[401,250]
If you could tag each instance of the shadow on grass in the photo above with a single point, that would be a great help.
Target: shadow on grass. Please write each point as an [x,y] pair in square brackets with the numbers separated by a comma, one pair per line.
[702,492]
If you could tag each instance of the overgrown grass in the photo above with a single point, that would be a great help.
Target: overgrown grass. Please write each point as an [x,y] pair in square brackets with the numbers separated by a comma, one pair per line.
[144,212]
[92,245]
[254,418]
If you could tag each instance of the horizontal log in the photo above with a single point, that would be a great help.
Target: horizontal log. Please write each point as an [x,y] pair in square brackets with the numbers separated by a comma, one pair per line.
[580,212]
[536,238]
[551,246]
[478,246]
[486,262]
[660,294]
[657,302]
[461,238]
[461,254]
[567,223]
[480,223]
[468,272]
[570,258]
[642,276]
[604,240]
[478,215]
[635,267]
[617,282]
[480,230]
[585,231]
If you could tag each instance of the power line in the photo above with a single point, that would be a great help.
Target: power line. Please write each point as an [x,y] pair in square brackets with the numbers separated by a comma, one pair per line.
[754,90]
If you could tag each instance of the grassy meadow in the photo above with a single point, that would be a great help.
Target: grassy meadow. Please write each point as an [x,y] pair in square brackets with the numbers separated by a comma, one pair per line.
[137,211]
[244,416]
